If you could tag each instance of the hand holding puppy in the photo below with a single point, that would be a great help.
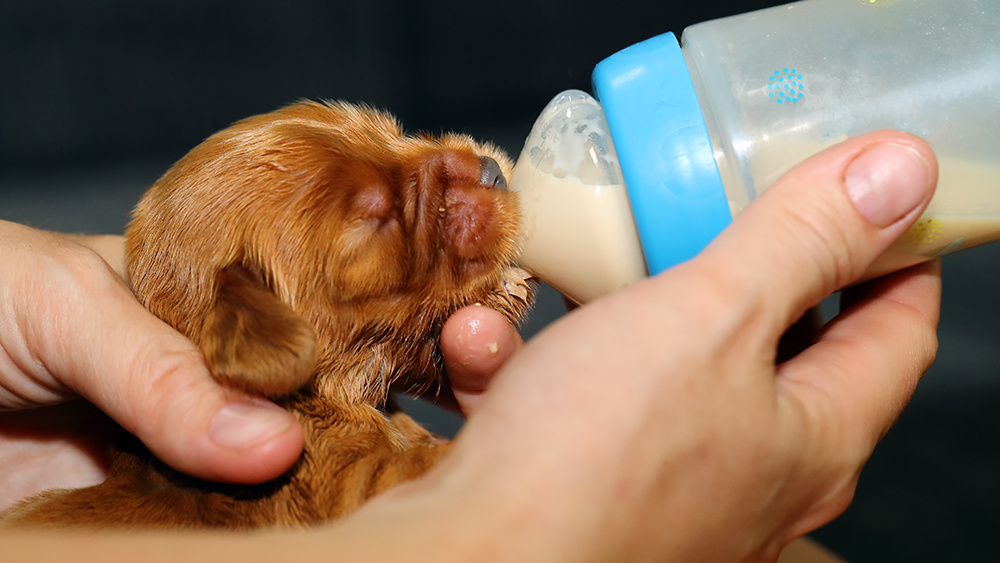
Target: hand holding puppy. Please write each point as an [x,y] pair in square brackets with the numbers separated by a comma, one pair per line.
[88,336]
[340,247]
[70,326]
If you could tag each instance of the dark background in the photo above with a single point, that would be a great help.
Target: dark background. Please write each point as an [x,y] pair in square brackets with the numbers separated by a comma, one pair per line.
[97,98]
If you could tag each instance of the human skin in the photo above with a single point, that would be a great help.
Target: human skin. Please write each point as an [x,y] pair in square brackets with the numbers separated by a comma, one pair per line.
[657,424]
[70,326]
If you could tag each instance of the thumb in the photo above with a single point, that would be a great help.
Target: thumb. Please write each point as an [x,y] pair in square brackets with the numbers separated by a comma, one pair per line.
[828,219]
[97,340]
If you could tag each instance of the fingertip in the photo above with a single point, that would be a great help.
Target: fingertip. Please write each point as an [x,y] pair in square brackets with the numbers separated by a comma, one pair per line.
[478,339]
[476,342]
[889,179]
[245,443]
[255,441]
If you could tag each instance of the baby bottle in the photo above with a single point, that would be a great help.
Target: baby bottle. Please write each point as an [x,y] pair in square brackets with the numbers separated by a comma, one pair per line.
[685,135]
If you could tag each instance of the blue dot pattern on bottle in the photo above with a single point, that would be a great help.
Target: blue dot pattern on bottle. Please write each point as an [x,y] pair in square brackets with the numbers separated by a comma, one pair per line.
[786,86]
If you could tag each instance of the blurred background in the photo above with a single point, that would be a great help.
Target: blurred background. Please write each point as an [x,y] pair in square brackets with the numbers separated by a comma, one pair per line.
[98,98]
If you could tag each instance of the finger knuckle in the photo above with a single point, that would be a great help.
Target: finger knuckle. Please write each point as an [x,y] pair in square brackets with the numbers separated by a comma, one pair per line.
[84,268]
[163,379]
[825,250]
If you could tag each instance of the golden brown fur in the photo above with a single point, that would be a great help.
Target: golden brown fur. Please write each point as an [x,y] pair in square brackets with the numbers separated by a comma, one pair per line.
[313,254]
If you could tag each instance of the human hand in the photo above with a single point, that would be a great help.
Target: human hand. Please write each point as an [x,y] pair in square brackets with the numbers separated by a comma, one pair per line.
[70,326]
[658,422]
[64,444]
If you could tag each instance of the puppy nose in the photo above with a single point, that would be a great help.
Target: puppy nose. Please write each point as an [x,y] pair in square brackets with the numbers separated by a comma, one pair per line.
[490,174]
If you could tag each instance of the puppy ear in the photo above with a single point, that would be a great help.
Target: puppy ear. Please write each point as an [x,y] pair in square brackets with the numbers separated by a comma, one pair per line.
[252,340]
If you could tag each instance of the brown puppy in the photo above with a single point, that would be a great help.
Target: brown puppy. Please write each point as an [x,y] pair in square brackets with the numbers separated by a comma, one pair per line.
[313,255]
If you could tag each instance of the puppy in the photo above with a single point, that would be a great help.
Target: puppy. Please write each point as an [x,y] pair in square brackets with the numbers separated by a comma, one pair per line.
[312,254]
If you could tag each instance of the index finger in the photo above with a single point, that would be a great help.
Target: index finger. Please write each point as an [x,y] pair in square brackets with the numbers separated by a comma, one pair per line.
[872,355]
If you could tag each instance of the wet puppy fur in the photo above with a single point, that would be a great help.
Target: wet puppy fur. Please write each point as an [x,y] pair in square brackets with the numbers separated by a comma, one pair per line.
[312,254]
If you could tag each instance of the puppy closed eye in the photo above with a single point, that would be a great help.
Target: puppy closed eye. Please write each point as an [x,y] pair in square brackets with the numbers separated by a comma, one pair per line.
[366,243]
[371,218]
[374,203]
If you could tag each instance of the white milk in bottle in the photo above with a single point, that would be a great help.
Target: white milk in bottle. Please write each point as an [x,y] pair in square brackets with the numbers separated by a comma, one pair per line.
[686,134]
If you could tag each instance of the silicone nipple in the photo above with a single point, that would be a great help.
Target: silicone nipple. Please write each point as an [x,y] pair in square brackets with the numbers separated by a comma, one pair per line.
[570,138]
[577,229]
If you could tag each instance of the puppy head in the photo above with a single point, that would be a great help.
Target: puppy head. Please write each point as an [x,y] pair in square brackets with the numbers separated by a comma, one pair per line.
[320,240]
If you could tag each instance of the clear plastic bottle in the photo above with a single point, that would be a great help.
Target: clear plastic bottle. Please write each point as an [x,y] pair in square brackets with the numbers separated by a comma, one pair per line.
[696,130]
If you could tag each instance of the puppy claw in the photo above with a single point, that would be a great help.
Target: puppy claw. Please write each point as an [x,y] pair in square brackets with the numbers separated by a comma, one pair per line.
[517,283]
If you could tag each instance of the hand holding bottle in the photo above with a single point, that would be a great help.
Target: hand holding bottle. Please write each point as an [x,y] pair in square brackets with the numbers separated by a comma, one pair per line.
[656,422]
